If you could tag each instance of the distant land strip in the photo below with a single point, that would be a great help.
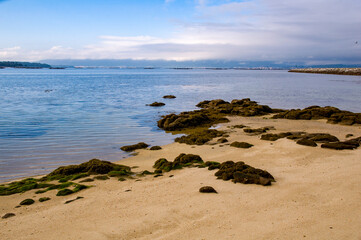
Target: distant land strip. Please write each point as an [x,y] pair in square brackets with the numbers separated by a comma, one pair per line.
[339,71]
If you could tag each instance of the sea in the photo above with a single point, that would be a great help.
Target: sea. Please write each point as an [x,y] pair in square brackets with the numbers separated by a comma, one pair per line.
[55,117]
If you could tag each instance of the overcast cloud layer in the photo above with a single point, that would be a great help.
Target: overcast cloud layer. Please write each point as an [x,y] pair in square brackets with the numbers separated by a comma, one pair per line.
[314,31]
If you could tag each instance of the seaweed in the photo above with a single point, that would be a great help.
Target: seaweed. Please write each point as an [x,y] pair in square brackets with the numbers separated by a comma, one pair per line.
[27,201]
[199,137]
[43,199]
[183,160]
[65,192]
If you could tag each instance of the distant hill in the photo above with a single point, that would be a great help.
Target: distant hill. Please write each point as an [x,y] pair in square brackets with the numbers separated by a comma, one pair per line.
[23,65]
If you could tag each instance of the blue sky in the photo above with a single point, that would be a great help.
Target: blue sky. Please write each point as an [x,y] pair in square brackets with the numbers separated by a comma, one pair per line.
[315,31]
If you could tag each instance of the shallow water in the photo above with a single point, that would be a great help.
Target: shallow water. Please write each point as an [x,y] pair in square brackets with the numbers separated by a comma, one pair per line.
[55,117]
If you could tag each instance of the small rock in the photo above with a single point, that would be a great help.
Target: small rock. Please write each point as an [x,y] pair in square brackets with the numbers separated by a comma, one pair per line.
[156,104]
[169,96]
[207,189]
[27,202]
[306,142]
[8,215]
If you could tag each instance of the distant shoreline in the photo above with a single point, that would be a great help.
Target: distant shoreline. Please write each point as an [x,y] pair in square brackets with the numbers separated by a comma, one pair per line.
[338,71]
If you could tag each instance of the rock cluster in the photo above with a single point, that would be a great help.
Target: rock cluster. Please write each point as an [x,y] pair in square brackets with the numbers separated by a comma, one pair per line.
[243,173]
[332,114]
[179,162]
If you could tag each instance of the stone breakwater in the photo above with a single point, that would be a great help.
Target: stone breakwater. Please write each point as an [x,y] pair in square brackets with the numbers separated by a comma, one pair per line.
[339,71]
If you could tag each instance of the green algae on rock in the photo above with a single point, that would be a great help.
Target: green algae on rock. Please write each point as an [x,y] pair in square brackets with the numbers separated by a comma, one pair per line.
[130,148]
[179,162]
[27,201]
[199,137]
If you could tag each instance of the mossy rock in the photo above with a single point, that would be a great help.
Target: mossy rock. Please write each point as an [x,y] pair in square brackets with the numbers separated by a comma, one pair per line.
[241,145]
[130,148]
[103,177]
[155,148]
[212,165]
[179,162]
[64,192]
[43,199]
[121,179]
[87,180]
[146,172]
[243,173]
[255,131]
[307,142]
[199,137]
[169,96]
[118,173]
[156,104]
[22,186]
[94,166]
[207,189]
[27,201]
[8,215]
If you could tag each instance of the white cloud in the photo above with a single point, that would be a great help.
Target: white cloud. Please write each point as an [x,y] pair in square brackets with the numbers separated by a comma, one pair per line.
[316,30]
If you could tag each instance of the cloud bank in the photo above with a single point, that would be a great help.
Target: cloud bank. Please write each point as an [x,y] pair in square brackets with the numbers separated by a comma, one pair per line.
[316,31]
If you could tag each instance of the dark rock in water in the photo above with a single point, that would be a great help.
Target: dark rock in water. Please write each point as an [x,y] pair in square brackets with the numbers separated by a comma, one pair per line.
[64,192]
[306,142]
[43,199]
[155,148]
[332,114]
[130,148]
[94,166]
[207,189]
[243,173]
[8,215]
[179,162]
[156,104]
[184,120]
[222,140]
[241,145]
[27,201]
[169,96]
[199,137]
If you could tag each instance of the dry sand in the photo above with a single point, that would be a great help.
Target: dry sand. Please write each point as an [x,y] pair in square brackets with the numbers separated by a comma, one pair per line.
[317,195]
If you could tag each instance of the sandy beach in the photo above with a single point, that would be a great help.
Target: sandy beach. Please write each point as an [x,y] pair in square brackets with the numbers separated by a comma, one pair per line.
[316,194]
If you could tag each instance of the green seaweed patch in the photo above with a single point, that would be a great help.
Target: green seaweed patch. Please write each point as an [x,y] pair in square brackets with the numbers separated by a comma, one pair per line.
[94,166]
[87,180]
[102,177]
[123,172]
[241,144]
[199,137]
[65,192]
[183,160]
[130,148]
[43,199]
[27,201]
[243,173]
[22,186]
[146,172]
[212,165]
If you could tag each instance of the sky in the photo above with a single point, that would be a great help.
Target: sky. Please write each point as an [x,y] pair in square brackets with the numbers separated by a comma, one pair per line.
[311,31]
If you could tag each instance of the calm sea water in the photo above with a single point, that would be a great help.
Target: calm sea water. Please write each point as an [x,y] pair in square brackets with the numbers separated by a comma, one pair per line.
[55,117]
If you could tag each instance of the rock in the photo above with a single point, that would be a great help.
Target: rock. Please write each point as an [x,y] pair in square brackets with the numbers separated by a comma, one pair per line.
[212,165]
[207,189]
[94,166]
[179,162]
[222,140]
[156,104]
[27,201]
[255,131]
[199,137]
[306,142]
[322,137]
[64,192]
[169,96]
[349,135]
[87,180]
[241,145]
[43,199]
[155,148]
[350,144]
[243,173]
[8,215]
[130,148]
[72,200]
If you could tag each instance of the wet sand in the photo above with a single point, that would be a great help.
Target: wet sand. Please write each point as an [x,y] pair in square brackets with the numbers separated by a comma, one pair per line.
[316,195]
